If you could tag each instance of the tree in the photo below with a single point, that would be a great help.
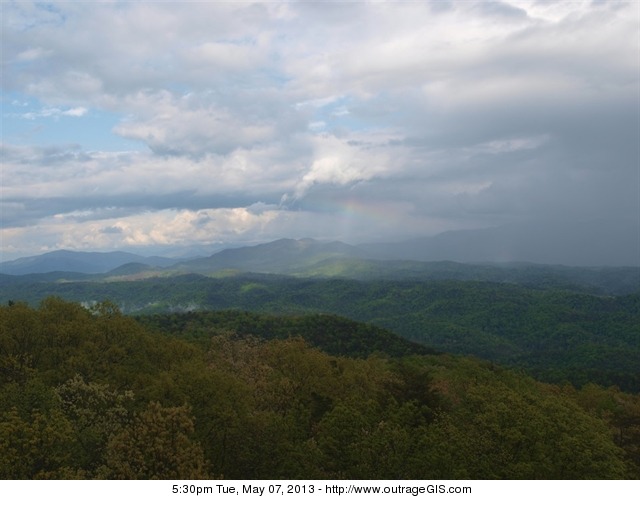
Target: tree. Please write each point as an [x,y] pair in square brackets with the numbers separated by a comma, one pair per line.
[38,446]
[95,413]
[157,445]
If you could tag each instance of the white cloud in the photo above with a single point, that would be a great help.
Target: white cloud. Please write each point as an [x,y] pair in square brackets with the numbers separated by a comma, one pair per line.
[32,54]
[340,162]
[194,126]
[54,112]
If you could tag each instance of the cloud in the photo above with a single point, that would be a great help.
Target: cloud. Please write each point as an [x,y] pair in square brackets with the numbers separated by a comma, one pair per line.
[168,228]
[201,124]
[249,117]
[56,113]
[32,54]
[112,230]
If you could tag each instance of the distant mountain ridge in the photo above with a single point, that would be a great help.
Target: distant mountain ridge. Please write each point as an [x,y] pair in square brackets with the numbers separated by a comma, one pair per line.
[280,256]
[586,244]
[79,262]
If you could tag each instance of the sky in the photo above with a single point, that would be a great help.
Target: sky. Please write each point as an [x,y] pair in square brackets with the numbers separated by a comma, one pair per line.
[156,125]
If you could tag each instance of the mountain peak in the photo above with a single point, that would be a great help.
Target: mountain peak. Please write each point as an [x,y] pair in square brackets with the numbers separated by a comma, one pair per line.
[280,256]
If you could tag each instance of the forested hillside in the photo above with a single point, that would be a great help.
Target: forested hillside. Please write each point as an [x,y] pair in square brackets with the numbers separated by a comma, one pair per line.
[556,335]
[92,393]
[332,334]
[308,259]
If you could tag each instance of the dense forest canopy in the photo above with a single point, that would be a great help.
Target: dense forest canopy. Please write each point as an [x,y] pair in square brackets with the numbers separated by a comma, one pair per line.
[556,335]
[92,393]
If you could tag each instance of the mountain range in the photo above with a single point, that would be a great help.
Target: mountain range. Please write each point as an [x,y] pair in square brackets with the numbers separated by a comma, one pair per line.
[573,244]
[78,261]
